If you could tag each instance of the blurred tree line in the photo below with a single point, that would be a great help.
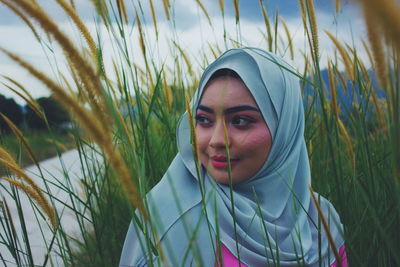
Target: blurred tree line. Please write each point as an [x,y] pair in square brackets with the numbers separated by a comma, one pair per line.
[25,118]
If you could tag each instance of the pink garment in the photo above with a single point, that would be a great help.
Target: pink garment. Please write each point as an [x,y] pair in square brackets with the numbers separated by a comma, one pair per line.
[229,260]
[343,256]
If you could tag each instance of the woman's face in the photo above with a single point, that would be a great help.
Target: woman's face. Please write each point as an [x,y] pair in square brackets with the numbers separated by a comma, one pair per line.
[227,100]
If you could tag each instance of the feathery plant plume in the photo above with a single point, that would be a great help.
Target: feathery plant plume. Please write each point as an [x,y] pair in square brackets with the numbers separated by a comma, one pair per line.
[386,13]
[267,25]
[378,53]
[85,71]
[79,23]
[23,17]
[21,137]
[290,44]
[8,161]
[153,15]
[204,11]
[313,26]
[32,104]
[5,155]
[345,56]
[122,11]
[326,228]
[95,130]
[36,197]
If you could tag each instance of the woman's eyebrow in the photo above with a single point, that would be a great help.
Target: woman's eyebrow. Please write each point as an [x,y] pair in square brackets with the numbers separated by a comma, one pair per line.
[229,110]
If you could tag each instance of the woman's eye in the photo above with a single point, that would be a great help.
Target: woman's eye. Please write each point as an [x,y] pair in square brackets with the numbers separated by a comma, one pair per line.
[241,121]
[202,120]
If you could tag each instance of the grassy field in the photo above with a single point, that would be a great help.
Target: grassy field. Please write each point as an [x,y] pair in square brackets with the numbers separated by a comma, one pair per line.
[44,145]
[129,112]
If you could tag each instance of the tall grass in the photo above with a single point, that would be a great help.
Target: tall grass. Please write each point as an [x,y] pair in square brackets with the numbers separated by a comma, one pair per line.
[126,115]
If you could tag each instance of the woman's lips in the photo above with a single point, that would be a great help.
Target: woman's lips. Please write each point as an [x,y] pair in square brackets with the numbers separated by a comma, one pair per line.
[221,162]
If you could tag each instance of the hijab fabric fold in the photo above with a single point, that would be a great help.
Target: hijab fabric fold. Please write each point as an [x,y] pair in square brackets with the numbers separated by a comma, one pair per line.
[275,217]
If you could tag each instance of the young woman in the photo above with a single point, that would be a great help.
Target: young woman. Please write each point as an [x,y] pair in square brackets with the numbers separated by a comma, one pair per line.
[247,203]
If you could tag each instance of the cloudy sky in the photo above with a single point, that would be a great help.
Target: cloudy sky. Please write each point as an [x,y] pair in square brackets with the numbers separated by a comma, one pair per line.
[192,31]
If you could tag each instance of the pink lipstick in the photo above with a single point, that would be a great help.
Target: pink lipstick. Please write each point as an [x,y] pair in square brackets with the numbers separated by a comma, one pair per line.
[221,162]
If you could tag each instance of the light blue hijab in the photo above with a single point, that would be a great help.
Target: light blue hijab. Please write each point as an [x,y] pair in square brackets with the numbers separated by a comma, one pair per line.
[275,218]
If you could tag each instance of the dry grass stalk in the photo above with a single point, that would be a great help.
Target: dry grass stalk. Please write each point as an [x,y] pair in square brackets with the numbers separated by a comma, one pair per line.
[212,51]
[119,82]
[21,137]
[204,11]
[23,89]
[167,92]
[345,56]
[63,147]
[337,6]
[79,23]
[9,218]
[326,228]
[125,128]
[221,6]
[193,133]
[22,16]
[186,59]
[236,6]
[369,54]
[167,5]
[32,104]
[381,117]
[42,203]
[143,49]
[378,54]
[122,11]
[13,167]
[341,78]
[289,38]
[306,66]
[333,91]
[153,15]
[267,25]
[347,140]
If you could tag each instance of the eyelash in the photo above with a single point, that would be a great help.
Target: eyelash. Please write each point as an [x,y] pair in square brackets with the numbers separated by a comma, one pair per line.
[235,121]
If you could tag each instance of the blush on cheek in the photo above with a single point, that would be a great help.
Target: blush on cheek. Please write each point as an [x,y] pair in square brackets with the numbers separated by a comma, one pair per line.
[256,139]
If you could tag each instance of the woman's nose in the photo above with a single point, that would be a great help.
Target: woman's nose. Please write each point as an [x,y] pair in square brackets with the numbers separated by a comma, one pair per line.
[218,136]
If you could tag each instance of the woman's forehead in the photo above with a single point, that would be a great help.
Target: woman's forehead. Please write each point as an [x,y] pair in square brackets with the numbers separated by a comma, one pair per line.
[227,92]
